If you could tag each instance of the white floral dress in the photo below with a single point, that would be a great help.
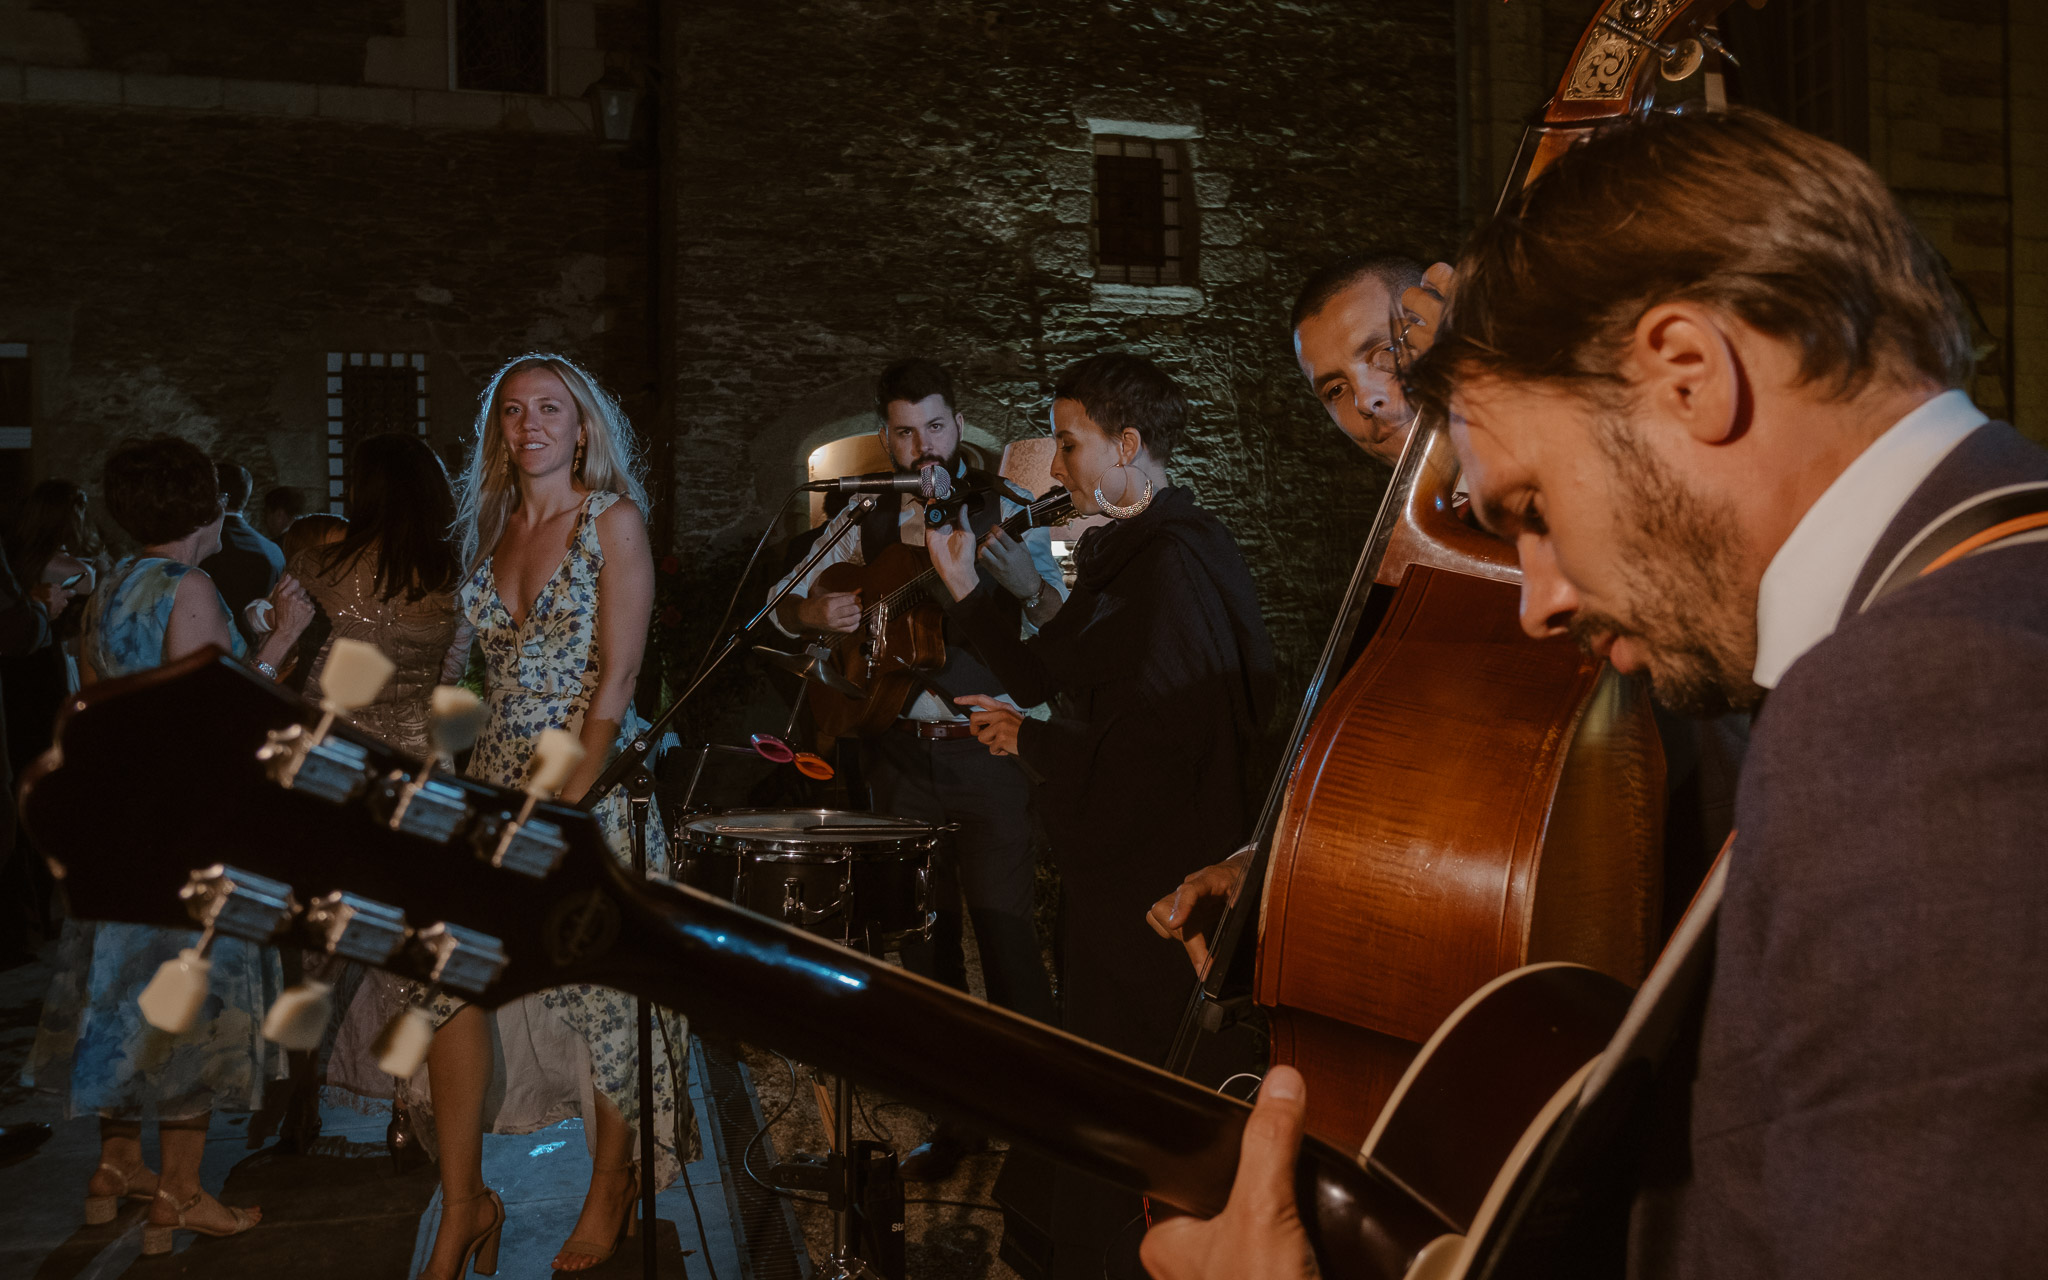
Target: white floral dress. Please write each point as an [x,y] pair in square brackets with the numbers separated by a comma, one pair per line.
[541,674]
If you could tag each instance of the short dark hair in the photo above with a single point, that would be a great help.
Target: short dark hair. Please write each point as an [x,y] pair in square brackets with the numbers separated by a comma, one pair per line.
[1397,271]
[1733,210]
[235,482]
[285,499]
[914,380]
[1125,392]
[160,488]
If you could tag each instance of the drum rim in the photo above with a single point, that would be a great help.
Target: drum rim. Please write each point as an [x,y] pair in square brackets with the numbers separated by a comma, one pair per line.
[786,842]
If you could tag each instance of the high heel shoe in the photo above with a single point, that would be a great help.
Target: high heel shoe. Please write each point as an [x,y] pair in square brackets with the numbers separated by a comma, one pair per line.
[598,1252]
[156,1236]
[100,1210]
[481,1254]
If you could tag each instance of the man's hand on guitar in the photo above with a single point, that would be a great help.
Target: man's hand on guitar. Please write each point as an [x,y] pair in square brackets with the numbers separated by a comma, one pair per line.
[1189,913]
[1009,563]
[830,611]
[1258,1236]
[952,548]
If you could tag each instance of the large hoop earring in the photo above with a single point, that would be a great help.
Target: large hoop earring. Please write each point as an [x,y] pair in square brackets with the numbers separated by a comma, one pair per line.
[1115,512]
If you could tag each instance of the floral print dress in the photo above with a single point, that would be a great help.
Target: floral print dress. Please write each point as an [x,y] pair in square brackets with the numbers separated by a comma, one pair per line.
[92,1045]
[541,674]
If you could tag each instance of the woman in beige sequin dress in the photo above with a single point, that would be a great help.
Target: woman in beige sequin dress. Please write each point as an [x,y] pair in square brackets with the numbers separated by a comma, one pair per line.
[387,578]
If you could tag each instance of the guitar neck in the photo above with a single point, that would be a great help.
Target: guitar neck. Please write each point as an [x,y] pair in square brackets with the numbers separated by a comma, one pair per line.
[1052,508]
[742,975]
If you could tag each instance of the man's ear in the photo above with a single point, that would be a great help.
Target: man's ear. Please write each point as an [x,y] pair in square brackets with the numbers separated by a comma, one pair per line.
[1689,373]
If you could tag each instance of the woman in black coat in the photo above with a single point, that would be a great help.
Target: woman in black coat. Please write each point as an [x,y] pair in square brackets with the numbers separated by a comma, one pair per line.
[1161,676]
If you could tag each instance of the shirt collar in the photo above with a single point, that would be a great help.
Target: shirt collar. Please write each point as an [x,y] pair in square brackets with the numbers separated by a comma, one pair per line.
[1808,582]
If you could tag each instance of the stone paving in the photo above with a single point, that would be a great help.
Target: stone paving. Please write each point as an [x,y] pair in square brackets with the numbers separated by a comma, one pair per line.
[341,1210]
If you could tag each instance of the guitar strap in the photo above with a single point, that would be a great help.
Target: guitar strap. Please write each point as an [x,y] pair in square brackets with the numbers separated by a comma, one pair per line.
[1563,1185]
[2014,513]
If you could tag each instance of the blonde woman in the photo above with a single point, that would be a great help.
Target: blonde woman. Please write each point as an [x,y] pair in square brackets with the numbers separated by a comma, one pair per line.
[559,585]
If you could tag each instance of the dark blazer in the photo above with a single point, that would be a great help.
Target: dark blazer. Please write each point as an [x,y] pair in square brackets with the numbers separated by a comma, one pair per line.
[1869,1096]
[245,568]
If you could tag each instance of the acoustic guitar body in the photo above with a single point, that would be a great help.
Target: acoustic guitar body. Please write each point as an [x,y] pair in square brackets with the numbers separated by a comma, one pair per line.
[895,639]
[1468,801]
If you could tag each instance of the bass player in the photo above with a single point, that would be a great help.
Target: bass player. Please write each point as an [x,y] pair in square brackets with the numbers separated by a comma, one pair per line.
[1704,374]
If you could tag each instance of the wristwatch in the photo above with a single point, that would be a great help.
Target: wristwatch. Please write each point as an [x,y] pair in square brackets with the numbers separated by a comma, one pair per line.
[1036,596]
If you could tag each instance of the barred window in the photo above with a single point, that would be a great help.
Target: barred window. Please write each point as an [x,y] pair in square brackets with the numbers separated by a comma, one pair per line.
[501,45]
[1142,223]
[369,393]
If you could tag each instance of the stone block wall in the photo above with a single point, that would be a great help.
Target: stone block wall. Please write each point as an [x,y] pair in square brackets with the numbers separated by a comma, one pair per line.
[863,181]
[1939,137]
[200,212]
[1957,125]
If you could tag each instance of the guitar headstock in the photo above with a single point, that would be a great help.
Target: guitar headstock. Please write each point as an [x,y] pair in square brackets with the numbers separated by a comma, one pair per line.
[197,795]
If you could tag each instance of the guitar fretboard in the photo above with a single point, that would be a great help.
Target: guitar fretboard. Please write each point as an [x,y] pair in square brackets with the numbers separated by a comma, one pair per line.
[1054,507]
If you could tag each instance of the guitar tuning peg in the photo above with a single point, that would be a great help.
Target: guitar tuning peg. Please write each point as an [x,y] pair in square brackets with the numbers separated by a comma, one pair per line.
[173,997]
[556,753]
[455,718]
[299,1018]
[402,1046]
[355,671]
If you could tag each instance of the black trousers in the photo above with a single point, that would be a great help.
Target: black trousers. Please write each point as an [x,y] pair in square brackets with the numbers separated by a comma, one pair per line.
[958,781]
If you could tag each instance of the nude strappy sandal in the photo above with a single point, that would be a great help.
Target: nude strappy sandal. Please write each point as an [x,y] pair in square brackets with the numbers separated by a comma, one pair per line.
[100,1210]
[481,1253]
[156,1237]
[599,1252]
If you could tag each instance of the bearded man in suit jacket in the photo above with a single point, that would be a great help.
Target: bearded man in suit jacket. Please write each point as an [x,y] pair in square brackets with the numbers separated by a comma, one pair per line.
[1703,375]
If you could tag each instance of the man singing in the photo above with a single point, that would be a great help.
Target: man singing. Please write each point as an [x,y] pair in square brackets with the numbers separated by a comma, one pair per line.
[929,766]
[1702,374]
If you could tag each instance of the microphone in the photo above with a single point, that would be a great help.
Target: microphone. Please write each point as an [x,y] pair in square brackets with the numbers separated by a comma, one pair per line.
[930,483]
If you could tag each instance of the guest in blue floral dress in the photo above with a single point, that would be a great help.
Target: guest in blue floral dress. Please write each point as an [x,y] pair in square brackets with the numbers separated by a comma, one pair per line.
[559,594]
[92,1044]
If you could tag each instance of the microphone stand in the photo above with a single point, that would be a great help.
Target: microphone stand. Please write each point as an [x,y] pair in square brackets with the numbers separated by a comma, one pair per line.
[631,770]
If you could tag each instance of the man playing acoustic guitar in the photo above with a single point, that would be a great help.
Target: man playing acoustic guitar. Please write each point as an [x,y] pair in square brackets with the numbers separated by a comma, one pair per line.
[1702,373]
[929,766]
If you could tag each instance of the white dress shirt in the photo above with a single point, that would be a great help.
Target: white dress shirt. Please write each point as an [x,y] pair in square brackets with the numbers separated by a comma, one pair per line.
[1808,582]
[910,530]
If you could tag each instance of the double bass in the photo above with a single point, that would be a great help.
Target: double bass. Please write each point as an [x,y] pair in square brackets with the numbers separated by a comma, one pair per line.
[1462,800]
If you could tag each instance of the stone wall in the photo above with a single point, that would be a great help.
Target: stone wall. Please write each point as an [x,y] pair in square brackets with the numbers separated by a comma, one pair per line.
[862,181]
[197,216]
[1954,118]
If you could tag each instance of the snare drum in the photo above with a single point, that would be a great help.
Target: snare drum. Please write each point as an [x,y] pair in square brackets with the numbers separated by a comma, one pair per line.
[861,879]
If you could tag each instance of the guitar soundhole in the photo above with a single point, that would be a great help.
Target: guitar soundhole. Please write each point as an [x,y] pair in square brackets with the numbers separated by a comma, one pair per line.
[582,925]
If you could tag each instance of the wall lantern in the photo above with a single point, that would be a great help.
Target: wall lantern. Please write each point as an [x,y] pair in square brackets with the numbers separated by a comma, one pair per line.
[614,103]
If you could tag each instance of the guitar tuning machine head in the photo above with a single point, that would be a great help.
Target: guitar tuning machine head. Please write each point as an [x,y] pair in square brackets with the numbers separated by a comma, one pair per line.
[462,959]
[333,769]
[421,806]
[239,903]
[532,847]
[358,929]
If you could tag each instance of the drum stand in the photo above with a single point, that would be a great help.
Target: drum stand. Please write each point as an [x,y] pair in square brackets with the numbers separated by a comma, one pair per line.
[639,792]
[860,1186]
[631,769]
